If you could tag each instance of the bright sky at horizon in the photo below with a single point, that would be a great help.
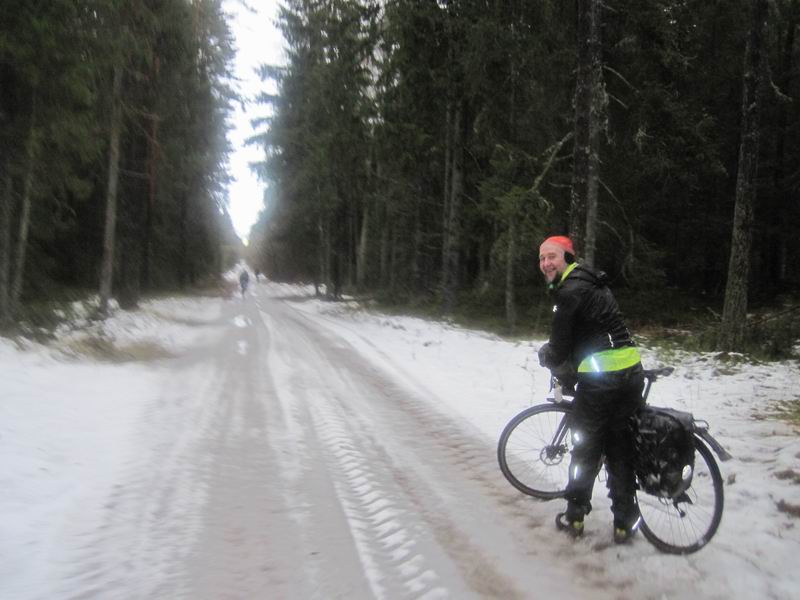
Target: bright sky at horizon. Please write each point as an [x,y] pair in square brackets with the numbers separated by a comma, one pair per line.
[257,42]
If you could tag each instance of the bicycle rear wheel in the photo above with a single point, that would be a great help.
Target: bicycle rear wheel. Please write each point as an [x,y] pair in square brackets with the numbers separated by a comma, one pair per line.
[534,450]
[687,524]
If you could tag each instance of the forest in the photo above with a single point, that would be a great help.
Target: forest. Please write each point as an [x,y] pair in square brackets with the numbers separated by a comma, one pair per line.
[416,153]
[419,151]
[112,152]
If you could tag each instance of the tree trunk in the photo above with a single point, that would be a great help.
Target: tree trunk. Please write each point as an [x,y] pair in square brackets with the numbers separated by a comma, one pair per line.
[450,253]
[361,266]
[734,313]
[326,256]
[511,249]
[448,167]
[5,245]
[416,245]
[384,249]
[346,243]
[129,280]
[590,103]
[25,211]
[152,175]
[776,241]
[393,262]
[511,254]
[183,242]
[109,232]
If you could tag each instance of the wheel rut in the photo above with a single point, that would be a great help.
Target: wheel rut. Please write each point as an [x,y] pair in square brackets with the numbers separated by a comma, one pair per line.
[425,496]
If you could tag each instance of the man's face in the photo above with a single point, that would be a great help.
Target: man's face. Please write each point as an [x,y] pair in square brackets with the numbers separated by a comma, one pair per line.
[551,261]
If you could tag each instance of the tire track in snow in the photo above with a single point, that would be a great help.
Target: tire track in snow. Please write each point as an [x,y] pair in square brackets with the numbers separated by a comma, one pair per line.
[389,549]
[444,480]
[147,524]
[201,436]
[394,564]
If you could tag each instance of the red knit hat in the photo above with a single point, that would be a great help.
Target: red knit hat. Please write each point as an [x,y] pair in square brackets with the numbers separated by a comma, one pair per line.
[561,241]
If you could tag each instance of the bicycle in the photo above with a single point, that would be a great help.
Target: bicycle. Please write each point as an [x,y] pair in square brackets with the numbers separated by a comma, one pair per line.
[533,452]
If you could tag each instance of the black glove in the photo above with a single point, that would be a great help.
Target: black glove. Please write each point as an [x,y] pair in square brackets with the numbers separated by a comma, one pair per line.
[566,375]
[545,355]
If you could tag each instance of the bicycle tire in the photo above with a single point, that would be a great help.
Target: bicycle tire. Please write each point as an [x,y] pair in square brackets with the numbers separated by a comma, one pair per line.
[528,459]
[674,533]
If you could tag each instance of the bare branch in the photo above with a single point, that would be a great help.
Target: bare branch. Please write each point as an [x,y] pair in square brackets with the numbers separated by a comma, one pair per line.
[553,151]
[618,101]
[619,75]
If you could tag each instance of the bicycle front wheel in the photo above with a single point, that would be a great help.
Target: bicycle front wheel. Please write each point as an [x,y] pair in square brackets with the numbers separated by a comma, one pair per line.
[685,525]
[534,451]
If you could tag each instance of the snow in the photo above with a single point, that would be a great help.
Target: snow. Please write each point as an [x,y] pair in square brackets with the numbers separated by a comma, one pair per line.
[68,423]
[71,418]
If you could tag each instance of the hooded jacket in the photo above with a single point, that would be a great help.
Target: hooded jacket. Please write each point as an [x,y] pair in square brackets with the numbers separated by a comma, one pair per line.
[588,330]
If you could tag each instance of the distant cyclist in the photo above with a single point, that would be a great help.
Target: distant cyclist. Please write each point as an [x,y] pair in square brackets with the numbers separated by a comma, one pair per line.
[244,281]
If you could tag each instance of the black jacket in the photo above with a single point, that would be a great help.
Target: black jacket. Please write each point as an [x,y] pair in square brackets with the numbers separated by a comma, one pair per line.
[586,318]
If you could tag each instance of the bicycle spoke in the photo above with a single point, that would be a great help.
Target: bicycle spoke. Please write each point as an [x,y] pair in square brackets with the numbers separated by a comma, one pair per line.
[528,456]
[688,526]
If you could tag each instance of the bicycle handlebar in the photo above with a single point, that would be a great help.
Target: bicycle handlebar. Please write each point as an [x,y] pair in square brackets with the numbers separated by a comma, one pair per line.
[653,374]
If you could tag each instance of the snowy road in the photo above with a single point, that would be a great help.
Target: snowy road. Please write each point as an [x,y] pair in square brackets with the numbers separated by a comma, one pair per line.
[284,453]
[283,465]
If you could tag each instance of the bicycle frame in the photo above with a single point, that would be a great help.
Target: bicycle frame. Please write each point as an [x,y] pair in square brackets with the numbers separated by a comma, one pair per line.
[557,448]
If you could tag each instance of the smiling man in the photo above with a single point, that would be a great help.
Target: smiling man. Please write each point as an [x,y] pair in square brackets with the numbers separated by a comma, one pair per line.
[588,336]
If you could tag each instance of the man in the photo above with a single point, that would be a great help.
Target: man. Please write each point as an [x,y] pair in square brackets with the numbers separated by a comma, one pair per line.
[244,280]
[589,335]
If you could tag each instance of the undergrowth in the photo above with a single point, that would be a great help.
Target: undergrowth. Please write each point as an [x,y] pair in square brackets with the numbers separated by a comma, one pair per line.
[40,319]
[669,319]
[103,349]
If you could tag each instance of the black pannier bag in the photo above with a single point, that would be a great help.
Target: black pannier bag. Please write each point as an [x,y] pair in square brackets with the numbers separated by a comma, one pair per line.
[665,450]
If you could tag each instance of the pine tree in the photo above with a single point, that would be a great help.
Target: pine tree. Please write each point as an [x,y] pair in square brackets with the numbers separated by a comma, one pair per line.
[734,315]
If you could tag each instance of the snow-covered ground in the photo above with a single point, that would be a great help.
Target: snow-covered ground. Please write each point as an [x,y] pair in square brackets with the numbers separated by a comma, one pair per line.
[71,412]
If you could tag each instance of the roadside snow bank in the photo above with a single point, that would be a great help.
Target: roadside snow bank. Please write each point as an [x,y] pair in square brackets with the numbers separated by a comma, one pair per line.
[68,415]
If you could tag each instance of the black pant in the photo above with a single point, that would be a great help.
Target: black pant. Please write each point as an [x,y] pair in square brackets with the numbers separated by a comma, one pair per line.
[601,425]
